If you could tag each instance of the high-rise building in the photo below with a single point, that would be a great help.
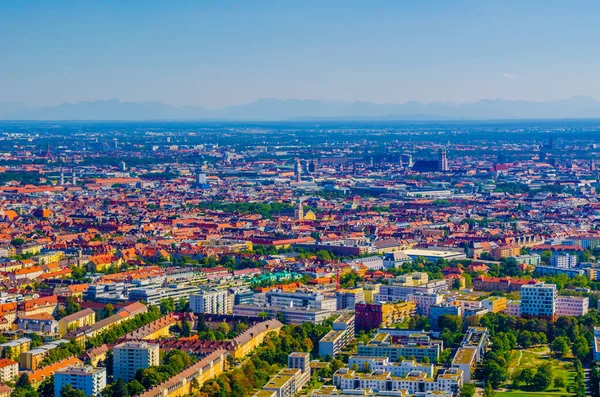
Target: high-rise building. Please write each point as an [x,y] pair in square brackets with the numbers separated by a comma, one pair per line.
[210,301]
[131,356]
[88,379]
[443,160]
[298,171]
[539,300]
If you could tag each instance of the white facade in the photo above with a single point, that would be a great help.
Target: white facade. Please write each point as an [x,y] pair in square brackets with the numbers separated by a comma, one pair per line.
[572,305]
[400,369]
[212,302]
[9,370]
[538,300]
[513,308]
[424,302]
[88,379]
[131,356]
[566,261]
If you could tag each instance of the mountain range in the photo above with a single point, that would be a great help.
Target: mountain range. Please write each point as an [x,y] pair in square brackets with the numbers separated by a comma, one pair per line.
[273,109]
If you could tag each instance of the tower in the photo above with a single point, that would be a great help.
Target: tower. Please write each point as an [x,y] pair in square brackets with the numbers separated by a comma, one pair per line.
[299,210]
[123,166]
[62,177]
[442,160]
[74,181]
[298,171]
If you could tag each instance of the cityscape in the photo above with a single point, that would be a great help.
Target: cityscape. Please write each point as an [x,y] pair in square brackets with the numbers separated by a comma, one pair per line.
[330,259]
[299,198]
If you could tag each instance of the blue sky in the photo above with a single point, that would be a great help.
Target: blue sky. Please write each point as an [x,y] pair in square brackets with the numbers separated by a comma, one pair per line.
[219,53]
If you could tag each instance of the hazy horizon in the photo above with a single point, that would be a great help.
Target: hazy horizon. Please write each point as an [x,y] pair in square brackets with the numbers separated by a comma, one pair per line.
[218,54]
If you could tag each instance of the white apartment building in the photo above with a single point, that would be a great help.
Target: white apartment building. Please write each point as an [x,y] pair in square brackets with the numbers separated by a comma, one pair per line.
[299,299]
[572,305]
[425,301]
[341,333]
[88,379]
[449,381]
[566,261]
[210,301]
[9,370]
[538,300]
[131,356]
[383,364]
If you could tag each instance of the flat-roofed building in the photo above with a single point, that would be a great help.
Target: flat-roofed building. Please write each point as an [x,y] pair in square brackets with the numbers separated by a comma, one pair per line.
[88,379]
[131,356]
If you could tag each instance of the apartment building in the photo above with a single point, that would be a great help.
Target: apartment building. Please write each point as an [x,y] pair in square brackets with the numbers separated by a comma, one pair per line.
[513,308]
[424,302]
[494,304]
[291,315]
[131,356]
[539,300]
[76,320]
[449,380]
[210,301]
[9,370]
[572,306]
[565,261]
[375,315]
[348,298]
[383,364]
[399,292]
[436,311]
[341,333]
[382,345]
[300,299]
[88,379]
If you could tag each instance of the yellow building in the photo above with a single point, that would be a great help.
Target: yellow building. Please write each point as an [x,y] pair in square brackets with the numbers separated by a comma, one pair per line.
[49,257]
[369,291]
[392,313]
[181,384]
[412,279]
[15,348]
[494,304]
[245,343]
[76,320]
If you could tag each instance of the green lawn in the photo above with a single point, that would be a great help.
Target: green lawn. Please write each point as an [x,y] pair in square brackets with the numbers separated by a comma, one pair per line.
[533,358]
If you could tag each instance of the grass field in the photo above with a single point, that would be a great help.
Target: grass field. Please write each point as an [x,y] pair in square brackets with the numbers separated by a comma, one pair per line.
[533,358]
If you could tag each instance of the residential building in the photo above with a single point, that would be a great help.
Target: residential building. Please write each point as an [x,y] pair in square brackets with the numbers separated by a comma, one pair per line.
[76,320]
[539,300]
[566,261]
[210,301]
[42,323]
[341,333]
[375,315]
[88,379]
[383,345]
[290,315]
[128,357]
[348,298]
[494,304]
[383,364]
[425,301]
[9,370]
[572,306]
[513,308]
[436,311]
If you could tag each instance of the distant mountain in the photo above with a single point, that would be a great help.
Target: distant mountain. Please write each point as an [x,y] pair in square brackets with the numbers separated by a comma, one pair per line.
[273,109]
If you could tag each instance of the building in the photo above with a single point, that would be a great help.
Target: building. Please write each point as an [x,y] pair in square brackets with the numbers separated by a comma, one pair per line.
[566,261]
[341,333]
[384,383]
[420,346]
[76,320]
[432,254]
[301,361]
[465,360]
[375,315]
[596,344]
[436,311]
[494,304]
[42,323]
[505,251]
[399,291]
[284,383]
[88,379]
[513,308]
[425,301]
[9,370]
[539,300]
[210,301]
[504,284]
[290,315]
[383,364]
[476,338]
[531,260]
[572,306]
[348,298]
[131,356]
[299,299]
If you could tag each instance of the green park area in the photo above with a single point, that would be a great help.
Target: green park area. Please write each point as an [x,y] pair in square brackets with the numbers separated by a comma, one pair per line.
[531,369]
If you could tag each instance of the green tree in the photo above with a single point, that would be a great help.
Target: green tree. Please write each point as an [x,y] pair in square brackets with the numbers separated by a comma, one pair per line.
[109,310]
[46,388]
[167,305]
[186,330]
[450,322]
[559,382]
[23,382]
[560,346]
[543,377]
[581,348]
[489,391]
[135,388]
[70,391]
[468,390]
[224,328]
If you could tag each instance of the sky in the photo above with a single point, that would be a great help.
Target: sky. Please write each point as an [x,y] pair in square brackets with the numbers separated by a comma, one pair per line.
[220,53]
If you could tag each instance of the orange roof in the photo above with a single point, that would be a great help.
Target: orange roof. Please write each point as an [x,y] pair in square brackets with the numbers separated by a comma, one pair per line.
[5,362]
[49,370]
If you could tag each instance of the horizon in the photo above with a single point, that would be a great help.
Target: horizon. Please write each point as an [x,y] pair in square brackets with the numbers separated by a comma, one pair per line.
[214,55]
